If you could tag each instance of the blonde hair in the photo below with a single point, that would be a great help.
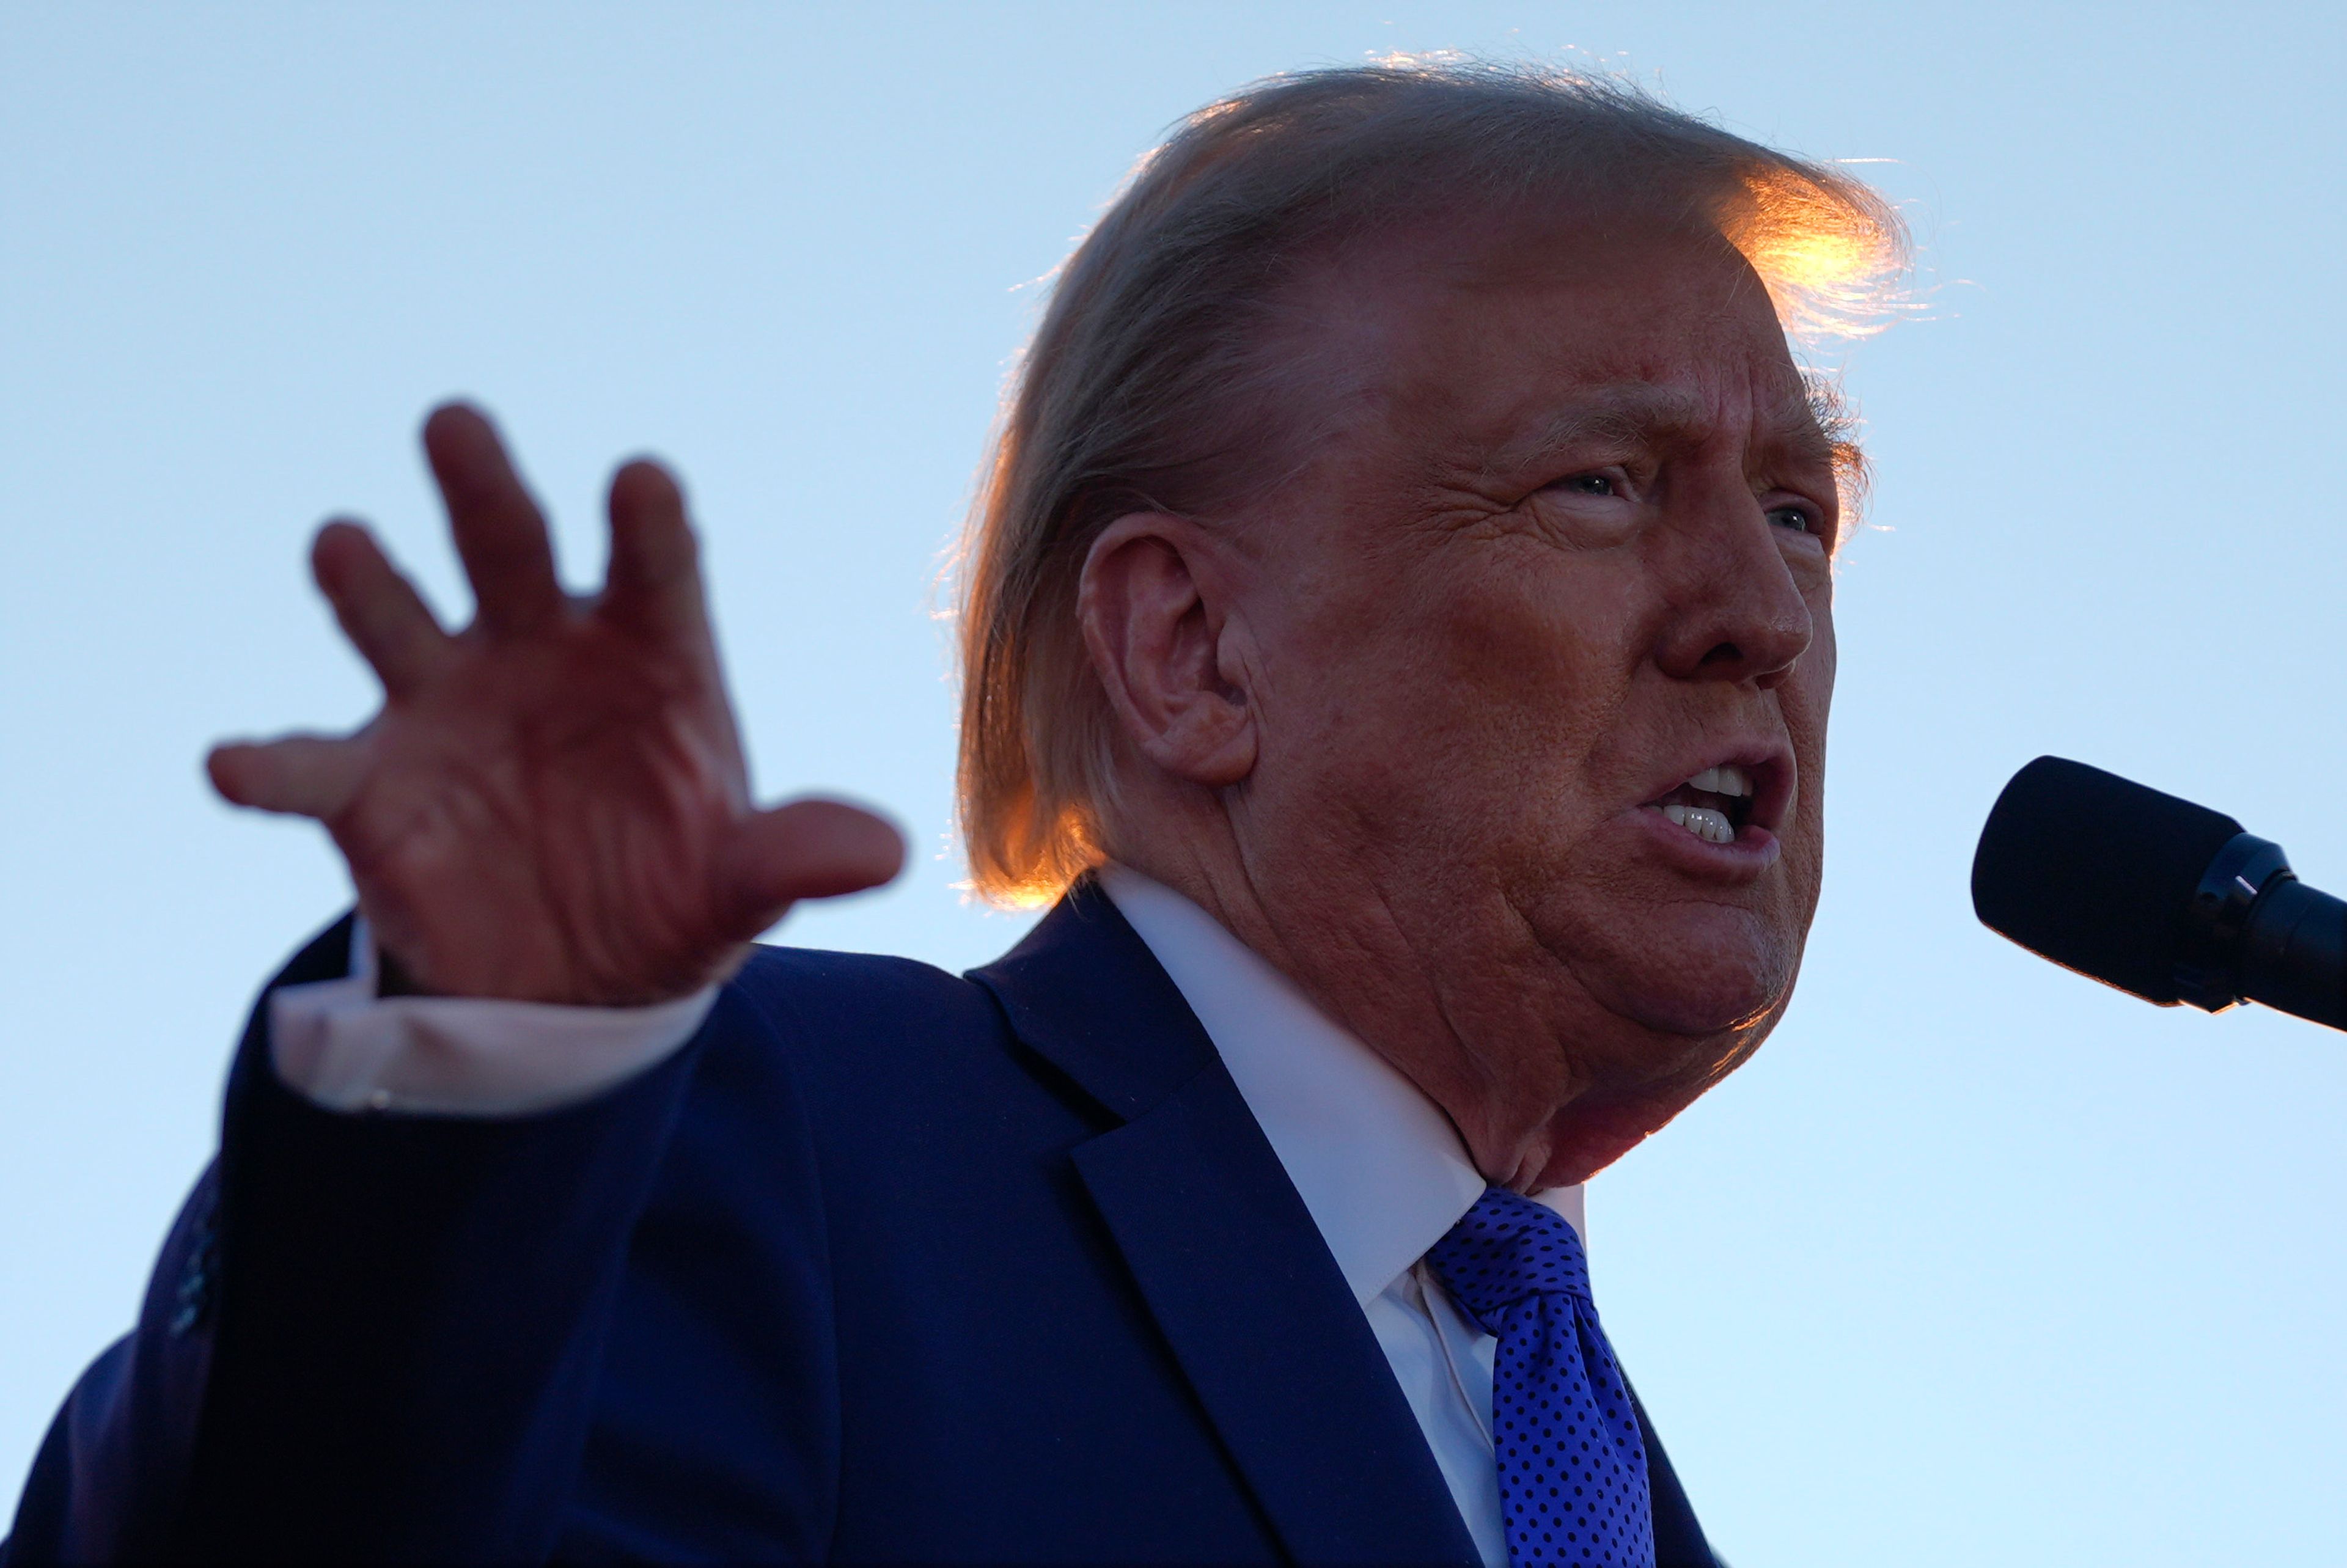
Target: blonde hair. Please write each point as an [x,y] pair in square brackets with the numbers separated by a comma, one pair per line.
[1151,382]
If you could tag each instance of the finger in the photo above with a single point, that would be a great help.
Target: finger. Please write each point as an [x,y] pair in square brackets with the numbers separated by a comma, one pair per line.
[807,849]
[499,530]
[654,583]
[302,775]
[380,610]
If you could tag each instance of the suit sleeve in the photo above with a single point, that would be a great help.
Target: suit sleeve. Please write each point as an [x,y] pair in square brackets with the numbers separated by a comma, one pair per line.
[369,1337]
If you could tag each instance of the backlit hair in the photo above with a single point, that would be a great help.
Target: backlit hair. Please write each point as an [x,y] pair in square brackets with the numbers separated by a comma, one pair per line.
[1151,383]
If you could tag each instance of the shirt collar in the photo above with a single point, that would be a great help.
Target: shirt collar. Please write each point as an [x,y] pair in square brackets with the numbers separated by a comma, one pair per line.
[1379,1165]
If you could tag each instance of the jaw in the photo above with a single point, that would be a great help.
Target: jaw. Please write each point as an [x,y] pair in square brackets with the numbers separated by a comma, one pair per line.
[1639,1070]
[1584,1051]
[1594,1131]
[1560,1010]
[1646,1017]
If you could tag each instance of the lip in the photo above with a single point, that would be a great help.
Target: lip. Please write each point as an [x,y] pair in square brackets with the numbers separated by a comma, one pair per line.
[1755,846]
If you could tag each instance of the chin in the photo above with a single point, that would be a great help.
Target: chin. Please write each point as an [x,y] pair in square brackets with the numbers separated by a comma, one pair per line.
[1697,985]
[1699,1013]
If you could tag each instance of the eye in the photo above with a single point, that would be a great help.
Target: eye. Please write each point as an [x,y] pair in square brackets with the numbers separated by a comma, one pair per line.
[1589,485]
[1797,518]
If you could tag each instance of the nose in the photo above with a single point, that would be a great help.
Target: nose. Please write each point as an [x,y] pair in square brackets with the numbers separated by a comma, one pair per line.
[1736,612]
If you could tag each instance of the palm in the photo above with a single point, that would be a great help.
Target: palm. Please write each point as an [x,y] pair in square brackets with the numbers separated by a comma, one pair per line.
[551,804]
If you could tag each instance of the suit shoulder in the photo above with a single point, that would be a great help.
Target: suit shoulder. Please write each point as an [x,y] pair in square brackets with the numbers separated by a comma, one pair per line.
[880,1052]
[822,992]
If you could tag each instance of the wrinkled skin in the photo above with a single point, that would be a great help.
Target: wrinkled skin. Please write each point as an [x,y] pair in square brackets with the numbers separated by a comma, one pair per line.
[1399,722]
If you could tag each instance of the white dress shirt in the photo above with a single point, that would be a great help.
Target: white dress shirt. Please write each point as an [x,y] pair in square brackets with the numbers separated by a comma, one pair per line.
[1379,1165]
[347,1049]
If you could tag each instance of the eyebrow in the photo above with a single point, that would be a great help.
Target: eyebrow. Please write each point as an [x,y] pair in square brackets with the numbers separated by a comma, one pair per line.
[1640,413]
[1632,412]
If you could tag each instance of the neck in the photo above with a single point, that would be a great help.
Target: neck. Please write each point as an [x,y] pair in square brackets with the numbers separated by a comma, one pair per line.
[1481,1051]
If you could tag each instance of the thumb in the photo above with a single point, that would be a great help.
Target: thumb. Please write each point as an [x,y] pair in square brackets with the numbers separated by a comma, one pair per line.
[806,849]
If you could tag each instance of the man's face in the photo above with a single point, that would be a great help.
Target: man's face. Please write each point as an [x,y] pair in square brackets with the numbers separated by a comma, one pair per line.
[1568,552]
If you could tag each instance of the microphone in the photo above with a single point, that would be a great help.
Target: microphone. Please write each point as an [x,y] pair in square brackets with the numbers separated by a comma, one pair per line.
[2164,899]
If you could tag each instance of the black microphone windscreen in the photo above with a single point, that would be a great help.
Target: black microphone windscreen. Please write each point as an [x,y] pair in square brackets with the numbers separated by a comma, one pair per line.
[2095,872]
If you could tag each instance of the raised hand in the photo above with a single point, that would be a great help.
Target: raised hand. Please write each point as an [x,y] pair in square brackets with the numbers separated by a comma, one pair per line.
[551,804]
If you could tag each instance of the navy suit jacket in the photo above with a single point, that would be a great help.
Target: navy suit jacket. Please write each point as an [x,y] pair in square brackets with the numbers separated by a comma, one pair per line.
[887,1265]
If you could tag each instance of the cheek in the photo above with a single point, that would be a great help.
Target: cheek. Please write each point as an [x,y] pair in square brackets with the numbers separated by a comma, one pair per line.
[1824,657]
[1530,649]
[1463,701]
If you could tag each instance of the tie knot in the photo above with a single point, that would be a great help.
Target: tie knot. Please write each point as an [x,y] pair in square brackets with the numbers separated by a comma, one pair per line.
[1508,1247]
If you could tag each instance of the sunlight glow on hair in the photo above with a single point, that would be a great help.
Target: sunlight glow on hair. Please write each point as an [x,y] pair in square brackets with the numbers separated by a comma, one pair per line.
[1834,269]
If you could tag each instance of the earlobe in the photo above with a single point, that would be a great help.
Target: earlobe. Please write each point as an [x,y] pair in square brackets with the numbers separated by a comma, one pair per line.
[1163,648]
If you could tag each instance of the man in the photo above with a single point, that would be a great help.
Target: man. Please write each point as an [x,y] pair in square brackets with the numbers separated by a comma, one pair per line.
[1399,636]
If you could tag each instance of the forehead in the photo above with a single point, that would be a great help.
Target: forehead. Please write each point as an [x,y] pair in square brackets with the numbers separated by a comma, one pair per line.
[1484,327]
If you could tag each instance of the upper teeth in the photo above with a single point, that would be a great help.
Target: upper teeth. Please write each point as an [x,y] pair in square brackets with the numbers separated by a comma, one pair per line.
[1725,779]
[1702,821]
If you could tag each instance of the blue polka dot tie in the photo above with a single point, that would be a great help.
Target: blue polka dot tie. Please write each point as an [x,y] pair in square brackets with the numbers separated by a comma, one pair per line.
[1573,1464]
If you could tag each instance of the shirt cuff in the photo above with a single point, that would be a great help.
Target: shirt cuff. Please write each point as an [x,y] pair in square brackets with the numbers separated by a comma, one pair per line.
[342,1048]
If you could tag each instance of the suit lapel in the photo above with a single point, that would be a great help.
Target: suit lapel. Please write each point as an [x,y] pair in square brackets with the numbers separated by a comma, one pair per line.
[1234,1270]
[1268,1333]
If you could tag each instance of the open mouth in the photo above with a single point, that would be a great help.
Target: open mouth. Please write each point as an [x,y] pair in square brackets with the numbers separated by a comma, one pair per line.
[1714,805]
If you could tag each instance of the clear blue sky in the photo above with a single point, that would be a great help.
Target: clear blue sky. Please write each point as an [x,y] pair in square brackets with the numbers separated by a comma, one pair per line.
[1975,1263]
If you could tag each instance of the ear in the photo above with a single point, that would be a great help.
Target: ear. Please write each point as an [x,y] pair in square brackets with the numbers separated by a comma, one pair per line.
[1166,650]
